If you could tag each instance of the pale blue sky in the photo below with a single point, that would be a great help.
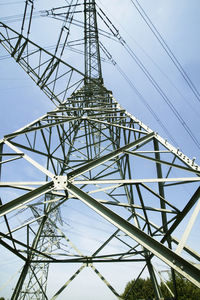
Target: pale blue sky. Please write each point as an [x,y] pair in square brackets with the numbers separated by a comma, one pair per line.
[178,22]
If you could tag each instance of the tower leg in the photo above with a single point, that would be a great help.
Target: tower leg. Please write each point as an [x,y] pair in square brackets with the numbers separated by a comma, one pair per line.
[154,280]
[20,282]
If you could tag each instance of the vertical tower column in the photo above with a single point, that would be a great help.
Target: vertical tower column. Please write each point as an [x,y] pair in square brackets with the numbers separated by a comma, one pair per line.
[92,52]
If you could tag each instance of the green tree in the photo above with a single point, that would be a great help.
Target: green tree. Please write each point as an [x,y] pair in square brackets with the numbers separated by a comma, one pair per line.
[185,289]
[143,289]
[138,289]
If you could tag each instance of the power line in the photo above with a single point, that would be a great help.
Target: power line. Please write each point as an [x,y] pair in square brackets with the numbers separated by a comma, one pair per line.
[162,94]
[147,105]
[166,48]
[136,91]
[150,58]
[153,82]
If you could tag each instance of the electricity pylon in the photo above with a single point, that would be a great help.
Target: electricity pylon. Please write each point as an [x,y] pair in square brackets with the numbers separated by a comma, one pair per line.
[90,150]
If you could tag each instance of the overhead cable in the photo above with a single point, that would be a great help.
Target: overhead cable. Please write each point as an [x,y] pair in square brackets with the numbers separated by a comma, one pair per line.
[153,82]
[133,87]
[169,52]
[147,55]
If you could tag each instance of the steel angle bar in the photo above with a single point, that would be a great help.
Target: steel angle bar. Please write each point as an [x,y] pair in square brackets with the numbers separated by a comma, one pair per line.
[89,166]
[105,281]
[20,281]
[25,224]
[122,255]
[163,161]
[187,249]
[68,282]
[178,263]
[182,214]
[1,155]
[35,45]
[9,160]
[39,283]
[132,286]
[111,187]
[163,281]
[108,240]
[59,114]
[39,127]
[30,160]
[188,228]
[149,152]
[16,203]
[18,131]
[127,205]
[159,196]
[173,238]
[27,247]
[33,150]
[116,125]
[136,181]
[185,159]
[47,146]
[87,260]
[66,238]
[7,246]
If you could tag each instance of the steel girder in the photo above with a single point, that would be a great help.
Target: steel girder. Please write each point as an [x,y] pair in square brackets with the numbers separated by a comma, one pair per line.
[91,150]
[82,179]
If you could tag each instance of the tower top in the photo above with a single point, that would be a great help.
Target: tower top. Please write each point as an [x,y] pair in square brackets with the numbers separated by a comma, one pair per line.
[92,50]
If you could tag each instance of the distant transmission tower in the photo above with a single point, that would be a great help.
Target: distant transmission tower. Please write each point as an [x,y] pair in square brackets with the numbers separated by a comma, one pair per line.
[89,150]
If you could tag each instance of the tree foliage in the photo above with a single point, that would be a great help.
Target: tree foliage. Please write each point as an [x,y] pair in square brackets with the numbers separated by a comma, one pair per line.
[139,289]
[185,289]
[142,289]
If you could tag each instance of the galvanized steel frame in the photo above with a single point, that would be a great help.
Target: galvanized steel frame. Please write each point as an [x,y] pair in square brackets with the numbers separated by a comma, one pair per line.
[112,140]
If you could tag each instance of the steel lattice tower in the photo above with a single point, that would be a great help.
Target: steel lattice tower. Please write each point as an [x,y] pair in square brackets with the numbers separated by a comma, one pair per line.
[90,150]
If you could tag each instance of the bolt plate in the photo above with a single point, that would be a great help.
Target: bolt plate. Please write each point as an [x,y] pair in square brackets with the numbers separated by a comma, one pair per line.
[60,182]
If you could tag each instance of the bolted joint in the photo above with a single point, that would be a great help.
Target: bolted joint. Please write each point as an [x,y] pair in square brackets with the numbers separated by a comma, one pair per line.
[60,182]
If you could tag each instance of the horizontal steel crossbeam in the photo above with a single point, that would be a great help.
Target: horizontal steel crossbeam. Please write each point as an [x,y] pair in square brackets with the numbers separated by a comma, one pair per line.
[96,162]
[16,203]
